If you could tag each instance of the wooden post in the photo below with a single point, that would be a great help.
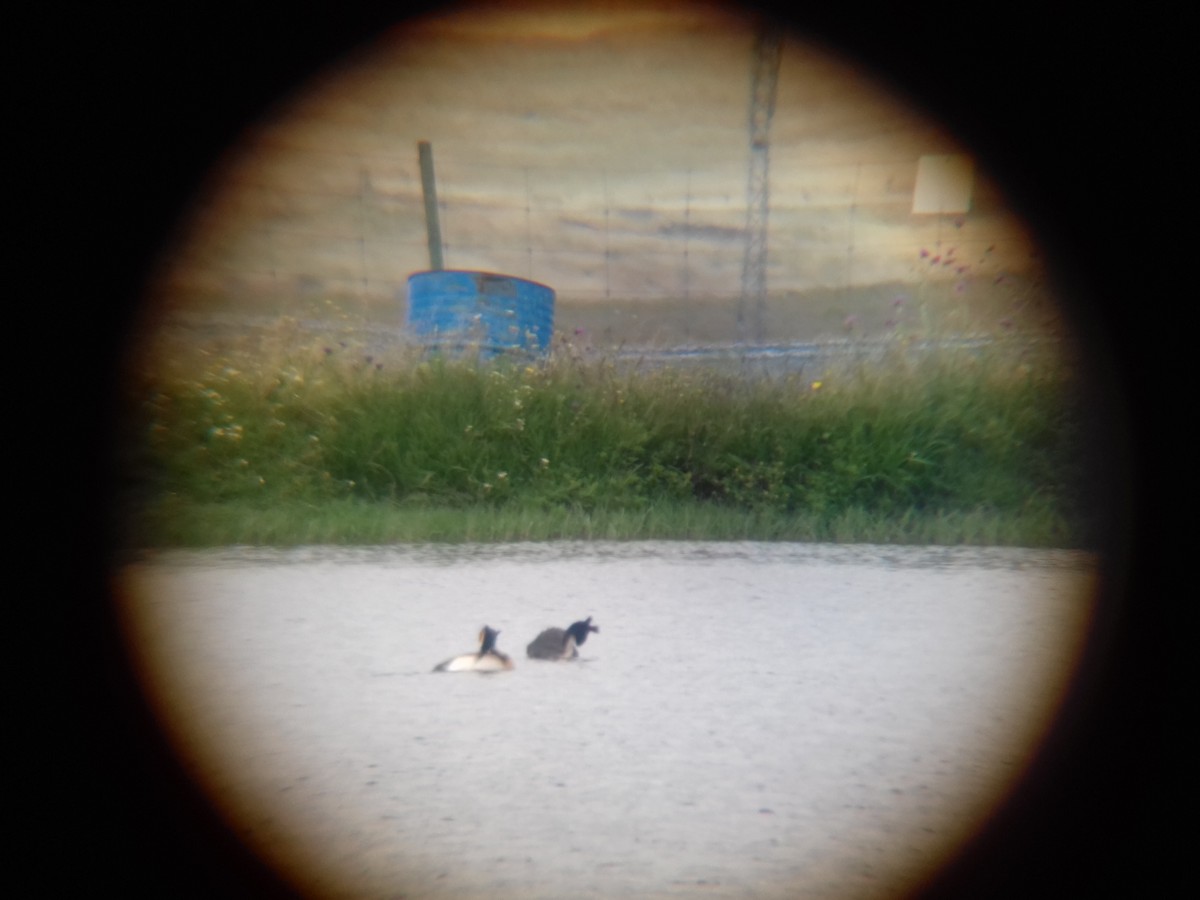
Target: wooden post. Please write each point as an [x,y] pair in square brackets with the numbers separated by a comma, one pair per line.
[433,228]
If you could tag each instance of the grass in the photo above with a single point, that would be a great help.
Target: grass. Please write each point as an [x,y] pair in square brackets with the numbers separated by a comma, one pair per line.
[953,447]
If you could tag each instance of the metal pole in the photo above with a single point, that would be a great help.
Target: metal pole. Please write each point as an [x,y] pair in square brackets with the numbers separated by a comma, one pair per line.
[429,188]
[763,81]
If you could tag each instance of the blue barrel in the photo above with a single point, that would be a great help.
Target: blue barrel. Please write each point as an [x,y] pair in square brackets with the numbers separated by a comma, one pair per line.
[467,312]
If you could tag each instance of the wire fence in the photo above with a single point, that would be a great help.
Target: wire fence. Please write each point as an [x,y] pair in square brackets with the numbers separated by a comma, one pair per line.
[301,225]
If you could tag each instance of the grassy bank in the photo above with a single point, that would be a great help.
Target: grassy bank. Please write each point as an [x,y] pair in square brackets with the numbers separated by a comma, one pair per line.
[946,448]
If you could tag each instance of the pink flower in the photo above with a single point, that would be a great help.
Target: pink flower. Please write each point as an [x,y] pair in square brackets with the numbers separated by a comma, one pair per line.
[924,253]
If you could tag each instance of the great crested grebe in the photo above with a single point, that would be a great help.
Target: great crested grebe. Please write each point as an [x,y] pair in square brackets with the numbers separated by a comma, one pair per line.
[560,643]
[488,659]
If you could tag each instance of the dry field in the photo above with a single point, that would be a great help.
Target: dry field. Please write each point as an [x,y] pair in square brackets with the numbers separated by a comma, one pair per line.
[603,153]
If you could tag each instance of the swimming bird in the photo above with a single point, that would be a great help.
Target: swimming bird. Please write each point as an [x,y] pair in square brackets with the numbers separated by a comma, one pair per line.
[560,643]
[488,659]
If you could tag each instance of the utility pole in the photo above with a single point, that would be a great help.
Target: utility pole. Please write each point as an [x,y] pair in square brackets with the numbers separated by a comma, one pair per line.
[763,81]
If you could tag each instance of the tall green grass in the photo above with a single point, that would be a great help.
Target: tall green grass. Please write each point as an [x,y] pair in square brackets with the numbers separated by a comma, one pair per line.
[944,447]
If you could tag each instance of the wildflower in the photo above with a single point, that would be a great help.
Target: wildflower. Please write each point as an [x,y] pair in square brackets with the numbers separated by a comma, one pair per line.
[468,429]
[816,385]
[501,476]
[232,432]
[924,253]
[545,463]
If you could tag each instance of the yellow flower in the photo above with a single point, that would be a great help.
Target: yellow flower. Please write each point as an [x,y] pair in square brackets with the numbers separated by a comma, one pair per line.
[816,385]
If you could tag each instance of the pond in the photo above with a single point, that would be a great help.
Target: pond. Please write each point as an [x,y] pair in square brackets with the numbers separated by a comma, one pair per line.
[751,720]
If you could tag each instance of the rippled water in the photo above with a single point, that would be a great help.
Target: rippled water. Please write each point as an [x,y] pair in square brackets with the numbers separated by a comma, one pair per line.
[752,719]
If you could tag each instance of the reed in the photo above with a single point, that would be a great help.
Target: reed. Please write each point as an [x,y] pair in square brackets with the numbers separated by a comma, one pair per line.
[959,446]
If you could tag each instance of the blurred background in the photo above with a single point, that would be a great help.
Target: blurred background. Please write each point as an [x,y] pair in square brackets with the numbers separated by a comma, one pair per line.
[678,173]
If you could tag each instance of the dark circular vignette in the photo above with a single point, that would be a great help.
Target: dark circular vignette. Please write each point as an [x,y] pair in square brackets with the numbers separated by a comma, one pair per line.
[150,99]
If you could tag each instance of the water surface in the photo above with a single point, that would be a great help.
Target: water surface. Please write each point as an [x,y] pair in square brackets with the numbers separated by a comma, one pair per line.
[752,720]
